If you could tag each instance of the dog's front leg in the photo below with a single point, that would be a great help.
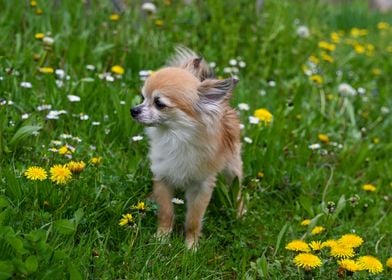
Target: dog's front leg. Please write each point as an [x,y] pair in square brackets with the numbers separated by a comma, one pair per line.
[163,194]
[198,198]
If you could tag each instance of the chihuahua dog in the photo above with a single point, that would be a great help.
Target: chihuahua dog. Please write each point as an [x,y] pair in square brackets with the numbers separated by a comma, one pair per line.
[194,134]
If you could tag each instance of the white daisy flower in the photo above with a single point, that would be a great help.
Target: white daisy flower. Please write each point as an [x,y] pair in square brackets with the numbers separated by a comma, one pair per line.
[248,140]
[73,98]
[90,67]
[60,73]
[137,138]
[44,107]
[25,116]
[243,107]
[253,120]
[26,85]
[177,201]
[314,146]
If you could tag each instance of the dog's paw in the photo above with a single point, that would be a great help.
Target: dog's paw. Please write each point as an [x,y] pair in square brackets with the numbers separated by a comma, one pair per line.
[191,244]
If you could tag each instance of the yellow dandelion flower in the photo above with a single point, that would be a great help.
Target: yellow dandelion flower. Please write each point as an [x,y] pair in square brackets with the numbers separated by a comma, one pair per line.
[46,70]
[114,17]
[335,37]
[38,11]
[314,59]
[389,262]
[371,264]
[305,222]
[376,71]
[33,4]
[126,219]
[298,245]
[307,261]
[315,245]
[356,32]
[341,251]
[359,49]
[260,174]
[329,243]
[317,230]
[383,25]
[39,36]
[263,115]
[351,240]
[323,138]
[349,265]
[76,166]
[326,57]
[369,188]
[96,160]
[63,150]
[159,22]
[117,69]
[35,173]
[326,46]
[317,79]
[60,174]
[139,206]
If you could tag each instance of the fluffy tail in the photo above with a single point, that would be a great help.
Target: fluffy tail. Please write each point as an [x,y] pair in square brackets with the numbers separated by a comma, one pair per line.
[187,59]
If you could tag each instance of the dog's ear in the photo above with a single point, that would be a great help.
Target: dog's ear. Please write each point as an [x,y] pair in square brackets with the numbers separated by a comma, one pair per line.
[216,90]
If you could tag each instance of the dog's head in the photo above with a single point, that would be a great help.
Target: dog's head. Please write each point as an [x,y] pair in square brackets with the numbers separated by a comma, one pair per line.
[175,97]
[183,92]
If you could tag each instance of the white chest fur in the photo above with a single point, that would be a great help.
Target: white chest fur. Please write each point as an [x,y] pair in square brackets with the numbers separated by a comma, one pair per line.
[179,157]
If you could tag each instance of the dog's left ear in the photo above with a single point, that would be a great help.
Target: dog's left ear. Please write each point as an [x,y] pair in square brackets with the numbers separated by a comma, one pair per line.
[216,90]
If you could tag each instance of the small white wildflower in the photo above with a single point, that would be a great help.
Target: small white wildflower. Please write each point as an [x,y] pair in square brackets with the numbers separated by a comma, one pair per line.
[84,117]
[263,92]
[233,62]
[248,140]
[149,7]
[73,98]
[53,150]
[48,41]
[346,90]
[59,83]
[314,146]
[10,102]
[107,131]
[109,78]
[242,64]
[137,138]
[212,64]
[243,107]
[25,116]
[385,110]
[227,70]
[26,85]
[361,91]
[65,136]
[76,139]
[54,115]
[56,142]
[272,83]
[93,148]
[122,102]
[303,31]
[177,201]
[90,67]
[1,78]
[35,133]
[253,120]
[95,123]
[60,73]
[44,107]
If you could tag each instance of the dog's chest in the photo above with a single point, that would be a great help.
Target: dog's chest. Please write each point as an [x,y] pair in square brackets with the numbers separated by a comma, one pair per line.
[178,161]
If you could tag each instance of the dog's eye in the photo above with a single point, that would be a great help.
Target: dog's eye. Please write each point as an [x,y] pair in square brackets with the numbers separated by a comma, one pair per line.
[159,104]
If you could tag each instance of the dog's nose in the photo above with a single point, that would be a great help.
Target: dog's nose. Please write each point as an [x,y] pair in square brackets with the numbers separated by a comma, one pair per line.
[135,111]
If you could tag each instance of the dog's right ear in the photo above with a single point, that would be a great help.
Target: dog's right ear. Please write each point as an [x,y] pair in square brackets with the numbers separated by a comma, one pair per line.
[216,90]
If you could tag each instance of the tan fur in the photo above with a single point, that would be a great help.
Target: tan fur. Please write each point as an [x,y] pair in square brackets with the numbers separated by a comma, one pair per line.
[193,138]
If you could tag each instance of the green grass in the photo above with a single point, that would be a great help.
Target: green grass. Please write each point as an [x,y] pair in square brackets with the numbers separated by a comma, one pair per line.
[72,231]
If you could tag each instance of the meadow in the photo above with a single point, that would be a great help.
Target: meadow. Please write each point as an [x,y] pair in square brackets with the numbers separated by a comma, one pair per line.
[314,99]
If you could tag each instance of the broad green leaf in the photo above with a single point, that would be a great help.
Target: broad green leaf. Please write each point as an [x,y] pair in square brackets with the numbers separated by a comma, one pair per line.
[31,264]
[23,132]
[6,270]
[65,226]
